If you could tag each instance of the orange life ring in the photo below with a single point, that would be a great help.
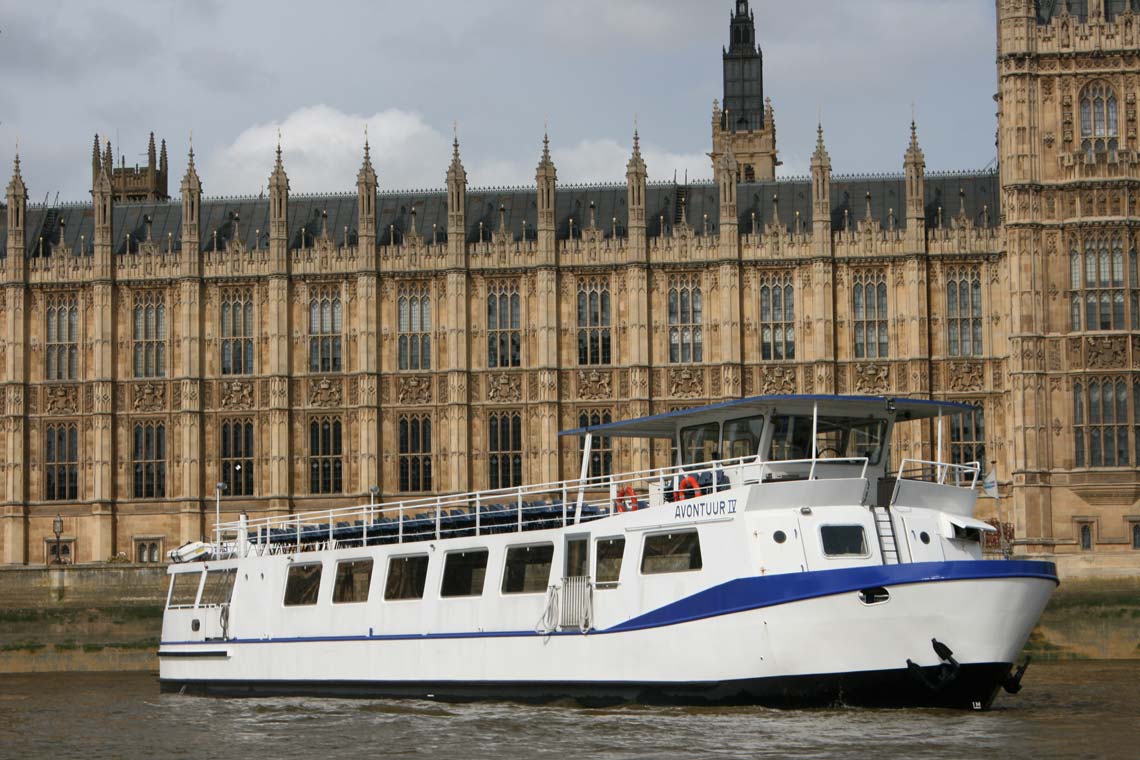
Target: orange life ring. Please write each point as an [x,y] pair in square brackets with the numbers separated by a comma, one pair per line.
[626,500]
[689,488]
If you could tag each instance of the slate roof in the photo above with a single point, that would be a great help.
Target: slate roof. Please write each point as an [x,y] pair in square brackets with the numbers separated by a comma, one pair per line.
[248,218]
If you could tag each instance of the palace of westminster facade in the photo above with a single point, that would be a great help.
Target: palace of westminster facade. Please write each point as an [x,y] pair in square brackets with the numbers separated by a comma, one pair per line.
[305,350]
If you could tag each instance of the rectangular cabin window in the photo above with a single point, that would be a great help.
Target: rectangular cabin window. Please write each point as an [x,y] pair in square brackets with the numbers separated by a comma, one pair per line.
[302,585]
[353,577]
[844,540]
[527,570]
[219,587]
[699,443]
[836,438]
[184,589]
[671,553]
[463,573]
[741,438]
[407,577]
[609,552]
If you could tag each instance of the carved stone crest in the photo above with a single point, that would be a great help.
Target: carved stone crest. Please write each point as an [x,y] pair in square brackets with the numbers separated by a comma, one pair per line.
[504,388]
[1104,353]
[414,390]
[872,378]
[594,384]
[325,393]
[965,376]
[237,395]
[686,382]
[61,399]
[777,380]
[150,397]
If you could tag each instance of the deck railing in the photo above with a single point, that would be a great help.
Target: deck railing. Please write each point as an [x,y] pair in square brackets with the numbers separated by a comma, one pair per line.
[942,473]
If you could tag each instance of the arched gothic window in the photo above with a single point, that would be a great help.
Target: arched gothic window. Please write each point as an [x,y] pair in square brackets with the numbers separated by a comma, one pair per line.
[777,319]
[149,332]
[964,312]
[1104,421]
[686,315]
[504,321]
[505,450]
[414,307]
[415,452]
[1103,284]
[1099,120]
[149,459]
[601,447]
[61,347]
[869,309]
[1136,535]
[325,325]
[61,462]
[1086,537]
[594,322]
[326,463]
[237,331]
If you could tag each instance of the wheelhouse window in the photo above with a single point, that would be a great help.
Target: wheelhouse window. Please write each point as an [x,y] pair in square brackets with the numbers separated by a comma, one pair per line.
[414,440]
[741,438]
[869,310]
[149,459]
[236,331]
[601,446]
[302,584]
[407,577]
[1103,289]
[527,569]
[218,588]
[61,346]
[61,462]
[609,553]
[1105,425]
[353,577]
[964,312]
[149,333]
[594,323]
[414,342]
[325,326]
[676,552]
[1099,120]
[184,589]
[699,443]
[843,540]
[237,456]
[326,465]
[836,438]
[778,319]
[504,325]
[504,446]
[463,573]
[686,317]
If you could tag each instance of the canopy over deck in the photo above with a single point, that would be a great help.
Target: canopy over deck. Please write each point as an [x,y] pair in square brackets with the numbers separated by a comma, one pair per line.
[665,425]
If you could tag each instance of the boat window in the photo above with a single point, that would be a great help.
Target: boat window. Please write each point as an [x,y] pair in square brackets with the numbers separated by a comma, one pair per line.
[407,577]
[843,540]
[609,553]
[302,584]
[219,587]
[353,577]
[671,553]
[741,438]
[527,570]
[463,573]
[184,589]
[836,438]
[699,443]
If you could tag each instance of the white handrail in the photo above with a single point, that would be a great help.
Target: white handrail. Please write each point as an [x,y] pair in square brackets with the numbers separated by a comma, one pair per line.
[942,470]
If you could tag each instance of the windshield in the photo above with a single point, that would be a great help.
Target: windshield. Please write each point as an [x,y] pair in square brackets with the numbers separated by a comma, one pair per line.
[836,438]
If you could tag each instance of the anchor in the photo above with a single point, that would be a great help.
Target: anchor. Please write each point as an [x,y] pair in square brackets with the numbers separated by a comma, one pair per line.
[947,669]
[1012,682]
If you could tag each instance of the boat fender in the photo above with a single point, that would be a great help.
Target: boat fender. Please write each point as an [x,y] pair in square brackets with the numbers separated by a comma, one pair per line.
[1012,683]
[626,500]
[689,488]
[946,672]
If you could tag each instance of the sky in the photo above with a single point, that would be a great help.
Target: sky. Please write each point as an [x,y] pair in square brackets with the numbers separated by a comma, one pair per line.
[231,74]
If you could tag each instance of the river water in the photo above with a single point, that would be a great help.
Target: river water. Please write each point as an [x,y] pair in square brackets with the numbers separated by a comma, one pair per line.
[1066,710]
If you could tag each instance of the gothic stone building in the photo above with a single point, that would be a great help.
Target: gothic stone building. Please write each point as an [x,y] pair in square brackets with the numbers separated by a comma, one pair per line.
[305,349]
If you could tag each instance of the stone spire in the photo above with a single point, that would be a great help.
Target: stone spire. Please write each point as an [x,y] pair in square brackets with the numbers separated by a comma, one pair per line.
[151,155]
[102,199]
[17,198]
[546,177]
[456,205]
[162,165]
[191,207]
[635,177]
[96,161]
[108,159]
[914,165]
[366,201]
[279,213]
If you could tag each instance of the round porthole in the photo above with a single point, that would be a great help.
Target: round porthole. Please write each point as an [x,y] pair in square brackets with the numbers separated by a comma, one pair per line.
[779,537]
[924,537]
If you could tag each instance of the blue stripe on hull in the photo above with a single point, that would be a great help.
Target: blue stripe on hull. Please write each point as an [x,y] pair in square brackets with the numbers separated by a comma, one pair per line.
[742,595]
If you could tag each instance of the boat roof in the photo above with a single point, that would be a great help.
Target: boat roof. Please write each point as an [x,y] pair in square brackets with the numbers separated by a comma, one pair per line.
[664,425]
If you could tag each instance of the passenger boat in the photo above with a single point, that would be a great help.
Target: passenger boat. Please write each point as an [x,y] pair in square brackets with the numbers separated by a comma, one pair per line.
[780,560]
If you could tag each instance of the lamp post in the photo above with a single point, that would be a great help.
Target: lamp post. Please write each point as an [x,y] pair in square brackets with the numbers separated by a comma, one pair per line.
[57,528]
[218,488]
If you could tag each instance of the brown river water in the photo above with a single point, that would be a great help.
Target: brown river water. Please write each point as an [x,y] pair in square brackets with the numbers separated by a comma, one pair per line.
[1066,710]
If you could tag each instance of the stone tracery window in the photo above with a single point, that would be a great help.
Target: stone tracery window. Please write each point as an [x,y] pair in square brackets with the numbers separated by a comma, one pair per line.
[61,462]
[601,446]
[414,440]
[61,346]
[594,322]
[325,326]
[504,321]
[505,450]
[777,318]
[1099,119]
[326,462]
[237,457]
[236,331]
[1106,427]
[149,460]
[1103,284]
[968,437]
[149,333]
[686,316]
[869,312]
[964,312]
[414,316]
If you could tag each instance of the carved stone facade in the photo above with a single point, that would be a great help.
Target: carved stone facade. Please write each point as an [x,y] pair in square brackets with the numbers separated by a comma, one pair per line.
[362,312]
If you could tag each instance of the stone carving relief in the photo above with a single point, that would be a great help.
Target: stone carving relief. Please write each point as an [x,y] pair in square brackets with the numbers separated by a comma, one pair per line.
[686,382]
[325,393]
[61,399]
[966,376]
[872,378]
[777,380]
[1104,353]
[150,397]
[413,390]
[504,388]
[237,394]
[594,384]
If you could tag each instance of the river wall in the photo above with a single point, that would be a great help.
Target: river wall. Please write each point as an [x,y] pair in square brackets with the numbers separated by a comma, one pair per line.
[108,617]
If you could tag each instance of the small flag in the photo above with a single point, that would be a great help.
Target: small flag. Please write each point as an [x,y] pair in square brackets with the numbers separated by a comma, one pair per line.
[989,485]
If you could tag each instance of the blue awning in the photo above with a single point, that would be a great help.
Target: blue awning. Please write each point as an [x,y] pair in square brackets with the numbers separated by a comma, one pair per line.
[664,425]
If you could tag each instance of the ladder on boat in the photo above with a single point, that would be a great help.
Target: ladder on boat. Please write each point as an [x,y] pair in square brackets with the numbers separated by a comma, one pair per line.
[569,606]
[886,532]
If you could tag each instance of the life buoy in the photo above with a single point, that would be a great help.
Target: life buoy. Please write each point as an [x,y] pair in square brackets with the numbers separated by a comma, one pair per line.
[689,488]
[626,500]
